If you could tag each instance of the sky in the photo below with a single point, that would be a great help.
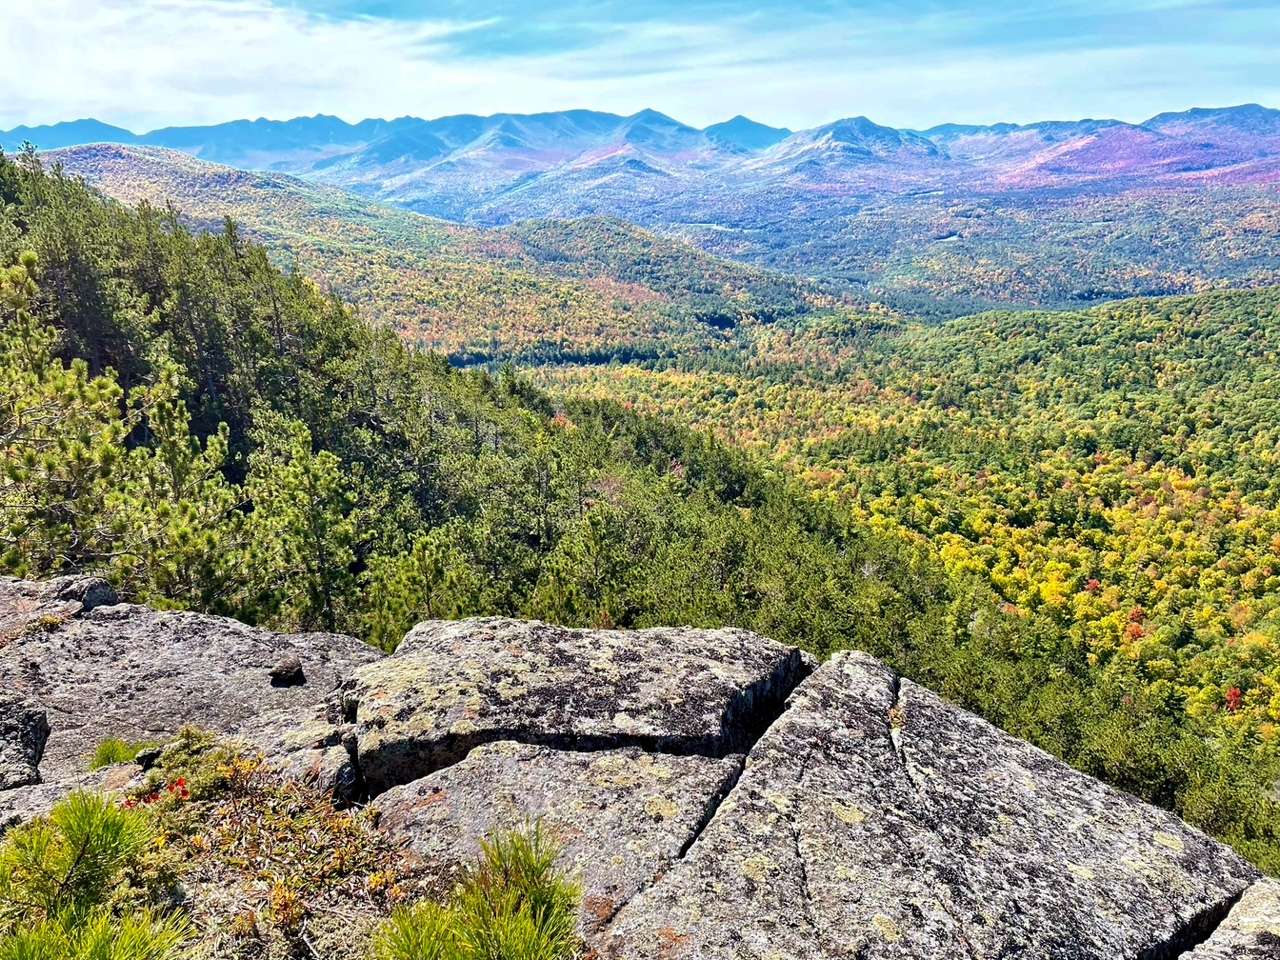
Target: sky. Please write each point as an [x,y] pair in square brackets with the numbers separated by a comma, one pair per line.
[910,63]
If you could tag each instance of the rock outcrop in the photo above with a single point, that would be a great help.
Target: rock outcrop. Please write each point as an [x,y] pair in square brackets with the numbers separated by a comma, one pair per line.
[100,669]
[24,729]
[875,820]
[719,795]
[27,605]
[453,686]
[1251,930]
[624,816]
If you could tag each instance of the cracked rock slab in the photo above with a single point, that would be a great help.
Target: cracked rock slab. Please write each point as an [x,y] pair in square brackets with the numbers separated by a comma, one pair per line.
[621,816]
[1251,930]
[452,686]
[876,821]
[130,672]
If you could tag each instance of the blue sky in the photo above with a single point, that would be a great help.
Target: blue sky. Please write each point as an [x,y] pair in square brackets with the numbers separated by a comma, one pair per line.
[147,63]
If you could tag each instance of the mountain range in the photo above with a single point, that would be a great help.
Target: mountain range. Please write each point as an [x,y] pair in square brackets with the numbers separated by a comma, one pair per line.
[948,219]
[407,154]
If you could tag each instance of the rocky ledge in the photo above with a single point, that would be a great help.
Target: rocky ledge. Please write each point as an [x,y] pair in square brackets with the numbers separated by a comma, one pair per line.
[718,794]
[85,667]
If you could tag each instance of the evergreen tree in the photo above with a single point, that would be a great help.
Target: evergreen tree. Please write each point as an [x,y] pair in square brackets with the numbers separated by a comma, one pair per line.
[298,535]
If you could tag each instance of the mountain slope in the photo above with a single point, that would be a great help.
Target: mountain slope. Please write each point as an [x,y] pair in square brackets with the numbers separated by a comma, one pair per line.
[1250,127]
[539,292]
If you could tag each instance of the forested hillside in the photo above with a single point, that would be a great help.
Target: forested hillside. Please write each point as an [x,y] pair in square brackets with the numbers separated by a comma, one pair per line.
[212,432]
[209,432]
[539,292]
[1112,474]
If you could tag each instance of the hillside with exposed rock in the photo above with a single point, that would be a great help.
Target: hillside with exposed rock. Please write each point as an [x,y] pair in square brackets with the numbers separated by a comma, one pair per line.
[719,794]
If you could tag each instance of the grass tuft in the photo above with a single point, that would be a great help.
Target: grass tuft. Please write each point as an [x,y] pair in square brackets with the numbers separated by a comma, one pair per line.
[115,750]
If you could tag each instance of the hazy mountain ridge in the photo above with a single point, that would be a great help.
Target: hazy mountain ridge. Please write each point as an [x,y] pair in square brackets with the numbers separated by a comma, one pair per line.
[545,140]
[949,219]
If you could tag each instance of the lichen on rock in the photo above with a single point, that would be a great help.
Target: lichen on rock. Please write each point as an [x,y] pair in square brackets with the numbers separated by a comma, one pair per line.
[621,816]
[27,605]
[875,820]
[453,686]
[100,669]
[718,795]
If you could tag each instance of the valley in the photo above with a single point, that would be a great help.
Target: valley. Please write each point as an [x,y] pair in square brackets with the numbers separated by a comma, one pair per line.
[587,290]
[1108,475]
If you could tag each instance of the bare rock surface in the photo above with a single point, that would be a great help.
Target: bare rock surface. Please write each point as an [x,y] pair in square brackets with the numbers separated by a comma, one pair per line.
[623,816]
[23,803]
[310,745]
[874,820]
[1251,930]
[128,671]
[24,729]
[29,605]
[452,686]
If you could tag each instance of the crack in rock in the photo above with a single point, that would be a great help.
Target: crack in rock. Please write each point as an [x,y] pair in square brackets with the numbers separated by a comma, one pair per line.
[715,801]
[896,721]
[453,687]
[806,892]
[1194,932]
[999,851]
[1250,930]
[458,762]
[925,815]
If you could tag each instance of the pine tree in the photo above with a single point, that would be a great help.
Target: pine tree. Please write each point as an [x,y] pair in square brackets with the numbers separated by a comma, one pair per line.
[299,535]
[178,516]
[62,435]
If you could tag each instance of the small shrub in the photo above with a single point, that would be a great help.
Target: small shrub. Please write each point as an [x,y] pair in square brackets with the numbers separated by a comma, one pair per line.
[115,750]
[57,876]
[224,814]
[424,931]
[513,905]
[68,862]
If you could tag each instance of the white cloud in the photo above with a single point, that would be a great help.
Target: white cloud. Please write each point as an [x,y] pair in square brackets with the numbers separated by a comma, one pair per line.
[145,63]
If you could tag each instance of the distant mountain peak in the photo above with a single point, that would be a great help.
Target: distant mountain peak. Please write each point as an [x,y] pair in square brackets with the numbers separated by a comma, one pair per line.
[68,133]
[1241,109]
[743,133]
[649,115]
[863,134]
[1251,117]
